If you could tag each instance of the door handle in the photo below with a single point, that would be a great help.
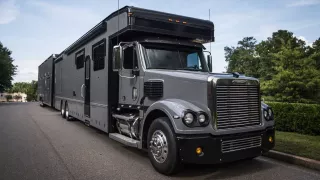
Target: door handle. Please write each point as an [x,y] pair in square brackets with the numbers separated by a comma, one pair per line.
[82,90]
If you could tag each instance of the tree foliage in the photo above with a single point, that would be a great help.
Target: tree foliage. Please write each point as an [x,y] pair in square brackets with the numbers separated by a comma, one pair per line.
[28,88]
[8,97]
[288,69]
[7,69]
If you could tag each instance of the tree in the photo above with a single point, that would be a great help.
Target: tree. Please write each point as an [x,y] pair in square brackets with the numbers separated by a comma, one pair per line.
[7,69]
[243,58]
[8,97]
[30,89]
[315,53]
[288,69]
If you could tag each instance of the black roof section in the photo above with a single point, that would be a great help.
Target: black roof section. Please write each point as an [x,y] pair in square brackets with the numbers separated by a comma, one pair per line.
[53,56]
[102,26]
[96,30]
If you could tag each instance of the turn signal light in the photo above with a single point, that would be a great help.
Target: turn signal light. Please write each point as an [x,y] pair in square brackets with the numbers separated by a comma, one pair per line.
[270,139]
[199,150]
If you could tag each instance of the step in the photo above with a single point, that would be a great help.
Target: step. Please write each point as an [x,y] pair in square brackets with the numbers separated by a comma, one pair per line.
[124,139]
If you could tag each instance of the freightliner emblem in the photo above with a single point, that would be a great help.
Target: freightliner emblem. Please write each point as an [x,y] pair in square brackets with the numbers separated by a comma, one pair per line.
[239,81]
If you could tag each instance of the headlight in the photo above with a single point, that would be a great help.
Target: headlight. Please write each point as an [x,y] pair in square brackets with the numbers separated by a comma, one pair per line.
[188,118]
[202,118]
[265,114]
[268,114]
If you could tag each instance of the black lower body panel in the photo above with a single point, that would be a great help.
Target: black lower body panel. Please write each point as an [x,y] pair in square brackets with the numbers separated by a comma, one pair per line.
[212,147]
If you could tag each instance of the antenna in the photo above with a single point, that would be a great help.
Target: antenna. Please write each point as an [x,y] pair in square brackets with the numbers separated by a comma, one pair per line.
[118,25]
[211,33]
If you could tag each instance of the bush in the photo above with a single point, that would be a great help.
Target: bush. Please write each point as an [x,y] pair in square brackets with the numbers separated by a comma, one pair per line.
[296,117]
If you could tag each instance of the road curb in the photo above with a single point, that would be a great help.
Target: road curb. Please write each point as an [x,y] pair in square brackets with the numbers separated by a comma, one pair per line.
[292,159]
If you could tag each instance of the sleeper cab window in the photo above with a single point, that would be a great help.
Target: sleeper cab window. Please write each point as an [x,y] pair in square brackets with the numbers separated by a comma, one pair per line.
[98,55]
[79,60]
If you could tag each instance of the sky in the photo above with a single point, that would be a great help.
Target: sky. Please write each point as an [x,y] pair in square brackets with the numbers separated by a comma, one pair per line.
[35,29]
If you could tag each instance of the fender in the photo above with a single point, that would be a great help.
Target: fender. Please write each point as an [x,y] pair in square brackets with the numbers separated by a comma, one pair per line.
[174,109]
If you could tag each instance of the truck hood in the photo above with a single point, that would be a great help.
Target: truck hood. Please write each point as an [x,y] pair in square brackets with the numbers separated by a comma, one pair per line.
[196,75]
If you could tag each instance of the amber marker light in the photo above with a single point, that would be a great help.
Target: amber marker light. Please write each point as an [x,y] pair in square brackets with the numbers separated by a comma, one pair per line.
[198,150]
[270,139]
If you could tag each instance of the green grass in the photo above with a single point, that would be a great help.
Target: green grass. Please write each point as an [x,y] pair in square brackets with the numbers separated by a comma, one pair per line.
[298,144]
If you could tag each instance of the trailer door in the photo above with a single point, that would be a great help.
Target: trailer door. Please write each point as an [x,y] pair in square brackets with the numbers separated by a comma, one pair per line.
[87,86]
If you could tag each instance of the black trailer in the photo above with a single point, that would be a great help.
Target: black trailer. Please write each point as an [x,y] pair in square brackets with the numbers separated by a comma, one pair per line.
[46,81]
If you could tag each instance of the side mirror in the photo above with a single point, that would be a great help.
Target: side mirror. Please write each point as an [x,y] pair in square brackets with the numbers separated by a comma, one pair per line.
[117,58]
[209,57]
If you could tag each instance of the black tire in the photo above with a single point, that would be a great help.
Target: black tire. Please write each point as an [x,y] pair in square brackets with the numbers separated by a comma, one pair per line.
[66,111]
[41,103]
[171,164]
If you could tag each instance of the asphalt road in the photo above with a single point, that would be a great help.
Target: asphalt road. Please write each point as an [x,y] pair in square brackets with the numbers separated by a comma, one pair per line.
[36,143]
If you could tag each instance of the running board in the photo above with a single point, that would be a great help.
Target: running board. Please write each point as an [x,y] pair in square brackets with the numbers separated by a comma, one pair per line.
[124,139]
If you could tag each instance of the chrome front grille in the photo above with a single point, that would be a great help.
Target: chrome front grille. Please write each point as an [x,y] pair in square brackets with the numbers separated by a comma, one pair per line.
[240,144]
[237,106]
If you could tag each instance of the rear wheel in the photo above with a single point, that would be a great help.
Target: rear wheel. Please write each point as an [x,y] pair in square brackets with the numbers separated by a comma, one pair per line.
[63,113]
[41,102]
[162,147]
[67,112]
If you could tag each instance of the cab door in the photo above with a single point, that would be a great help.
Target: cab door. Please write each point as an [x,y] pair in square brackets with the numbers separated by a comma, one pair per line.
[129,79]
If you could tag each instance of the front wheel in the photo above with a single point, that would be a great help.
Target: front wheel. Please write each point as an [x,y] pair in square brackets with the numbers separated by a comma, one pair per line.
[162,147]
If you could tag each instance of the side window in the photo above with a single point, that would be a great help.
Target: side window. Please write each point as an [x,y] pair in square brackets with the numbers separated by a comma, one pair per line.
[98,55]
[193,61]
[130,58]
[79,59]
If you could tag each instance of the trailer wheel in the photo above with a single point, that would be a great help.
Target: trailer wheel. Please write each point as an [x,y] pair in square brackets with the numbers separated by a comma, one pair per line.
[63,113]
[67,115]
[41,102]
[162,147]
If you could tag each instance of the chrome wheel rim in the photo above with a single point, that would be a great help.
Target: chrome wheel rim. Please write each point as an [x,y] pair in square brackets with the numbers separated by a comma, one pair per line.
[67,113]
[159,146]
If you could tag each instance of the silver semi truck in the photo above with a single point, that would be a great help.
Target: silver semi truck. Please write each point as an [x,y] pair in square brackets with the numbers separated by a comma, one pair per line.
[142,77]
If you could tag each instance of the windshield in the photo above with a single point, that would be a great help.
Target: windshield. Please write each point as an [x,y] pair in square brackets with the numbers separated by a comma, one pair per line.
[175,57]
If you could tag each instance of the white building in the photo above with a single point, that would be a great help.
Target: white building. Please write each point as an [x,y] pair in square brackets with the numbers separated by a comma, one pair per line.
[15,97]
